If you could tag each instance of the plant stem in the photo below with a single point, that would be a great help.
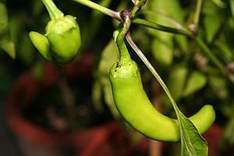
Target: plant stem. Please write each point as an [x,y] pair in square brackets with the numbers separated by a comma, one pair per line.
[193,26]
[137,5]
[156,26]
[209,53]
[197,12]
[100,8]
[54,12]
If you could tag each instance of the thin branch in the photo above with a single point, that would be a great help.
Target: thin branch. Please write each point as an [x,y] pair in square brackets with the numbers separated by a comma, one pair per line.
[100,8]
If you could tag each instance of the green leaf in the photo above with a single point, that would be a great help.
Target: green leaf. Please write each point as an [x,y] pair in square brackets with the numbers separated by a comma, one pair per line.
[182,42]
[4,19]
[162,52]
[213,19]
[177,80]
[165,9]
[212,25]
[219,86]
[220,3]
[192,144]
[9,47]
[232,7]
[225,51]
[195,82]
[5,43]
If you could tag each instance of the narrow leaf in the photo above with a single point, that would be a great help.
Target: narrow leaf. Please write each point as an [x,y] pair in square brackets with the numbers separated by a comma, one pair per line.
[177,80]
[196,81]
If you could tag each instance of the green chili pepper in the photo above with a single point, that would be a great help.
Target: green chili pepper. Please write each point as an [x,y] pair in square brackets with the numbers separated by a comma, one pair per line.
[136,108]
[62,40]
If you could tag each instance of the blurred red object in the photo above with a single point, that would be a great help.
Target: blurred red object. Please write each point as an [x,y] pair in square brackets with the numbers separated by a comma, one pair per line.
[213,137]
[105,139]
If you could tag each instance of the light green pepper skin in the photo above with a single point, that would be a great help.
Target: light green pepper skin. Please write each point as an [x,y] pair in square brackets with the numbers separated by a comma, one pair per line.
[61,42]
[136,108]
[64,37]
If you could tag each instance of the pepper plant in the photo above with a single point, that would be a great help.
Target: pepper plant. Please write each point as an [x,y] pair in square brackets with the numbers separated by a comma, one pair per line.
[188,43]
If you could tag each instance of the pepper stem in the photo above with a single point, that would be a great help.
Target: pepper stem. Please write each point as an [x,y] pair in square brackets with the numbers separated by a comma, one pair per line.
[126,23]
[120,39]
[54,12]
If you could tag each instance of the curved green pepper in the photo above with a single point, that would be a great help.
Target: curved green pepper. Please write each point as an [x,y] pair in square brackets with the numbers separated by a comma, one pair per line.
[136,108]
